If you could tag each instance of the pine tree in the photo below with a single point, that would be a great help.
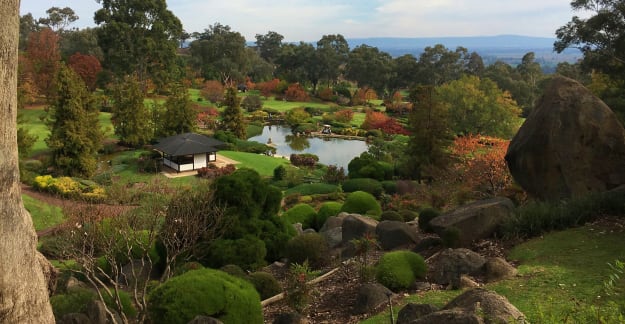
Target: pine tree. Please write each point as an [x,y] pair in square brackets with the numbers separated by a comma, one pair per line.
[232,116]
[131,118]
[178,115]
[75,135]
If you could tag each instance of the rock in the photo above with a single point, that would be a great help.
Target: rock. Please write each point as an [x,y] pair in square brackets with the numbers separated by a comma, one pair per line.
[450,316]
[392,234]
[497,269]
[73,283]
[50,273]
[200,319]
[422,285]
[492,307]
[298,228]
[309,230]
[290,318]
[427,243]
[413,311]
[474,221]
[370,296]
[570,145]
[333,236]
[356,226]
[74,318]
[96,311]
[447,266]
[142,272]
[333,222]
[467,282]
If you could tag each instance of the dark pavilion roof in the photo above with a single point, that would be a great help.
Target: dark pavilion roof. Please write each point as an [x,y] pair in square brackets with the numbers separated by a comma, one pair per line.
[187,143]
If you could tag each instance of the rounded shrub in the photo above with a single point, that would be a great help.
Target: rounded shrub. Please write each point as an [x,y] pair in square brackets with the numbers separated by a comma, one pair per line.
[408,215]
[300,213]
[234,270]
[360,202]
[326,210]
[248,253]
[391,215]
[425,216]
[309,246]
[390,187]
[188,266]
[451,237]
[74,301]
[371,186]
[265,283]
[208,292]
[400,269]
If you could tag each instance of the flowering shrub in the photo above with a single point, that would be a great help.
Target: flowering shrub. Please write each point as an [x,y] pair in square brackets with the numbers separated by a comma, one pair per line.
[70,188]
[212,171]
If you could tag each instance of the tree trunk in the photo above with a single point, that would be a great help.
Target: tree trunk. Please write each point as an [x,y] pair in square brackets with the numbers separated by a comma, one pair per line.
[23,293]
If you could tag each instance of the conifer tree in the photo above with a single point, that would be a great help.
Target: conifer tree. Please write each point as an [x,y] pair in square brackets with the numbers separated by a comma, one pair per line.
[232,116]
[75,134]
[131,118]
[178,116]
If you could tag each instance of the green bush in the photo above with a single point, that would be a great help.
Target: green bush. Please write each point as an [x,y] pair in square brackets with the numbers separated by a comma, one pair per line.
[390,187]
[391,215]
[327,209]
[363,203]
[301,213]
[206,292]
[312,189]
[188,266]
[309,246]
[400,269]
[408,215]
[234,270]
[126,303]
[74,301]
[248,253]
[279,173]
[371,186]
[425,216]
[451,237]
[265,283]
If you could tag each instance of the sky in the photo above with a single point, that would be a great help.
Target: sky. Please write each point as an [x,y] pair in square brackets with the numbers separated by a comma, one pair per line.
[308,20]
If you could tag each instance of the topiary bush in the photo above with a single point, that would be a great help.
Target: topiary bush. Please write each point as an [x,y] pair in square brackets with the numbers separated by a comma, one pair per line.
[301,213]
[207,292]
[400,269]
[363,203]
[309,246]
[425,216]
[391,215]
[408,215]
[371,186]
[265,283]
[326,210]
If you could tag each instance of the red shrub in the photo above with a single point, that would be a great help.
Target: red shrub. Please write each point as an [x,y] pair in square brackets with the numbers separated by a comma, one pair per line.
[295,92]
[212,171]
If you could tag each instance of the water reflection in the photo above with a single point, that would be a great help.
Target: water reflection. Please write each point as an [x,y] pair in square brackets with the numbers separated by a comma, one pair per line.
[329,150]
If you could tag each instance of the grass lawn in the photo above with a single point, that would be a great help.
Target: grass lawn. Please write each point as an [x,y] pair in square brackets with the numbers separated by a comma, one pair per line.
[284,106]
[43,215]
[263,164]
[560,280]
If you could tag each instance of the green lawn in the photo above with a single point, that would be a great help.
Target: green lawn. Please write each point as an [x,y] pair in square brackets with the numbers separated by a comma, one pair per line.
[263,164]
[43,215]
[560,278]
[284,106]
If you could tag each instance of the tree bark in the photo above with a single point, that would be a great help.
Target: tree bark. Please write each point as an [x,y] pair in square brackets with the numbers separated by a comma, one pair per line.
[23,293]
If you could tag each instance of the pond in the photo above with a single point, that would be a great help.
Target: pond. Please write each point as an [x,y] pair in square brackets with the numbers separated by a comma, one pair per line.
[331,151]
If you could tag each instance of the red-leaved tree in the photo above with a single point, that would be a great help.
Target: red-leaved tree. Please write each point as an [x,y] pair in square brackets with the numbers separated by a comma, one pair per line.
[344,116]
[44,58]
[295,92]
[381,121]
[213,90]
[268,88]
[87,67]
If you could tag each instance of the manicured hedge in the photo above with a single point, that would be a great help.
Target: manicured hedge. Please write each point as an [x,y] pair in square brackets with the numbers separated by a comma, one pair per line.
[301,213]
[400,269]
[371,186]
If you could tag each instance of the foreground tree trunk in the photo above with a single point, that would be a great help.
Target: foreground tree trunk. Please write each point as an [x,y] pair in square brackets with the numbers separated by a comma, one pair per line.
[23,293]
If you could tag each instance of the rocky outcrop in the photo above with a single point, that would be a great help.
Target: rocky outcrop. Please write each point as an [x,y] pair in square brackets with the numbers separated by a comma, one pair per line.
[356,226]
[449,265]
[370,297]
[497,269]
[570,145]
[413,311]
[50,273]
[474,221]
[392,234]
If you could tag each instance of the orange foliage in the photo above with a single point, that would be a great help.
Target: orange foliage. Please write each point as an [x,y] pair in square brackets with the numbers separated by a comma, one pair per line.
[295,92]
[325,94]
[44,58]
[268,88]
[364,95]
[344,116]
[481,163]
[213,90]
[381,121]
[87,67]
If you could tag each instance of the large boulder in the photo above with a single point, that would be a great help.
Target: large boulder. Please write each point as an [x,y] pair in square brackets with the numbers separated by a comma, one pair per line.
[392,234]
[370,296]
[450,316]
[356,226]
[497,269]
[413,311]
[570,145]
[474,221]
[449,265]
[50,273]
[492,307]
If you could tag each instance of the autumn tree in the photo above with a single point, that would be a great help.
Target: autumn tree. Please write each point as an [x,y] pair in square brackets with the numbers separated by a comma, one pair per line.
[75,135]
[295,92]
[138,36]
[232,116]
[28,25]
[177,115]
[213,90]
[44,59]
[478,106]
[268,88]
[381,121]
[22,286]
[87,67]
[130,116]
[344,115]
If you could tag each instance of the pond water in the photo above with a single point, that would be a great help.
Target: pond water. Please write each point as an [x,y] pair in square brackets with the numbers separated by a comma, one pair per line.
[330,151]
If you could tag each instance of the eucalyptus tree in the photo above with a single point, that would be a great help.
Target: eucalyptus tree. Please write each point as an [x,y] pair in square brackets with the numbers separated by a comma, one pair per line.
[332,53]
[369,67]
[220,54]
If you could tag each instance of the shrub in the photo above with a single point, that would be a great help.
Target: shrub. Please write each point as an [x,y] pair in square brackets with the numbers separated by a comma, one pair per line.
[213,90]
[252,103]
[279,173]
[248,252]
[451,237]
[312,189]
[390,187]
[212,171]
[363,203]
[265,283]
[234,270]
[126,303]
[408,215]
[425,216]
[391,215]
[309,246]
[400,269]
[327,209]
[371,186]
[74,301]
[207,292]
[301,213]
[305,160]
[295,92]
[334,174]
